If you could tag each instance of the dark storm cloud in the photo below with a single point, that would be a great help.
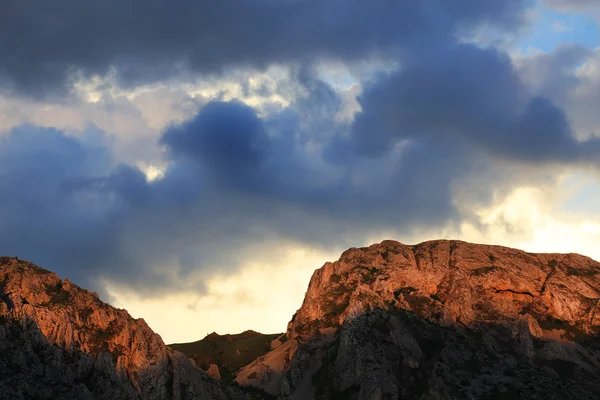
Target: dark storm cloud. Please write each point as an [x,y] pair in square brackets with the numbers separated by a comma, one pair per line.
[464,92]
[228,139]
[235,182]
[568,76]
[41,213]
[44,45]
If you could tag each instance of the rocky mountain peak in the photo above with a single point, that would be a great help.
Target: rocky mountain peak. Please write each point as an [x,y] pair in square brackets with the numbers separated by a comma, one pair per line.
[454,282]
[50,325]
[549,297]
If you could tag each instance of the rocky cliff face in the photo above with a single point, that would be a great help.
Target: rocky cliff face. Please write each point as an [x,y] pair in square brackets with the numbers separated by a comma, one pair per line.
[60,341]
[442,319]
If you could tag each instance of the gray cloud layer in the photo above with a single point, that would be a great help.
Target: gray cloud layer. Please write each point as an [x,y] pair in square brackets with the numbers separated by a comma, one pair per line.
[469,93]
[44,43]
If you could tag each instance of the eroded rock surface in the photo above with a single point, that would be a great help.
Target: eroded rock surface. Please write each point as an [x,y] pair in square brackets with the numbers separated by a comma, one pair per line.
[60,341]
[486,307]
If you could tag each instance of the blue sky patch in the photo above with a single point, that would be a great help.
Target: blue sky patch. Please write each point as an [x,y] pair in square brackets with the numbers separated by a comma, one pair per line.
[552,28]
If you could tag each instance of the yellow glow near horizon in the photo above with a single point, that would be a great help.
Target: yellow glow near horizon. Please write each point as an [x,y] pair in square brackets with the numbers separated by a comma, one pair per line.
[260,297]
[527,220]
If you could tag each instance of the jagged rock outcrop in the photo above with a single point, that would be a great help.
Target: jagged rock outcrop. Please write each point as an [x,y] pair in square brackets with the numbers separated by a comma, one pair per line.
[59,341]
[213,372]
[441,320]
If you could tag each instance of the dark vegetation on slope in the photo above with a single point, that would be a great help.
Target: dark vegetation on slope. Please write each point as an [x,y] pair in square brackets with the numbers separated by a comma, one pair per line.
[228,352]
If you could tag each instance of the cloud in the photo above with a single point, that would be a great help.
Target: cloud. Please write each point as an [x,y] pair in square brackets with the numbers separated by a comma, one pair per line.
[452,128]
[239,186]
[131,123]
[235,184]
[41,215]
[570,77]
[471,94]
[141,41]
[228,139]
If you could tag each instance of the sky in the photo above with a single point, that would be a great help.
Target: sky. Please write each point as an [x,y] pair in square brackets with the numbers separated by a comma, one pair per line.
[196,163]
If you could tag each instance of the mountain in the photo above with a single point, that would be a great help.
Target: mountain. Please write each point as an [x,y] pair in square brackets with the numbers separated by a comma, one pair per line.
[58,341]
[441,320]
[222,355]
[437,320]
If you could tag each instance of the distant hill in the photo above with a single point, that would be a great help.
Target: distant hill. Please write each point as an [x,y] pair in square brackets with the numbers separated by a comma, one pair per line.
[228,352]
